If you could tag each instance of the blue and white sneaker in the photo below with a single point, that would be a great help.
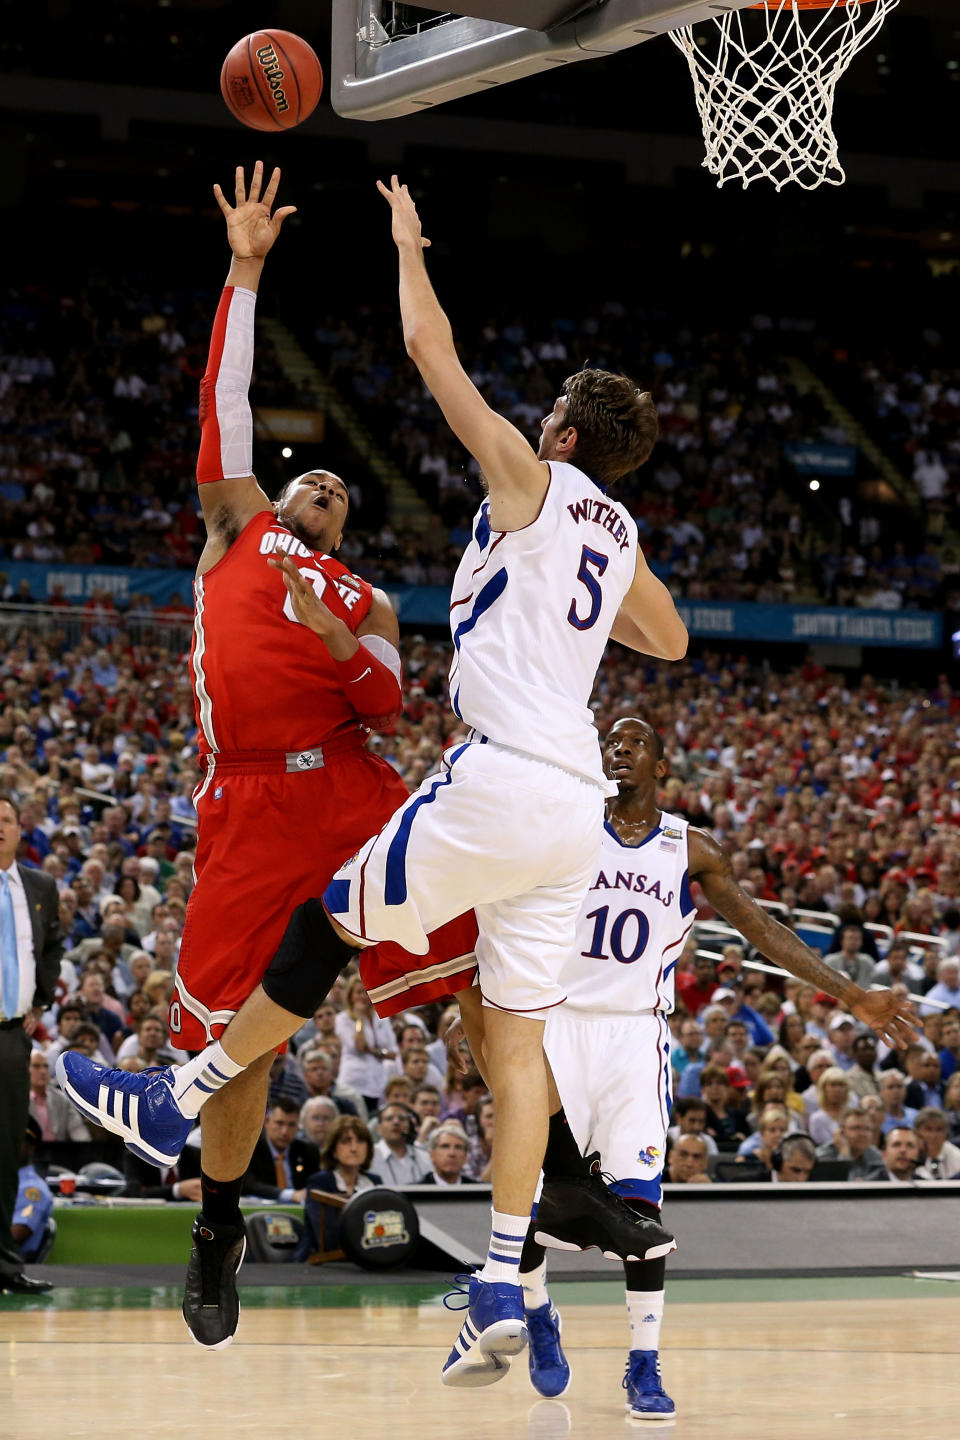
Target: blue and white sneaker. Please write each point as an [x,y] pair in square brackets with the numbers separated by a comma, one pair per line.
[141,1109]
[646,1397]
[494,1331]
[549,1370]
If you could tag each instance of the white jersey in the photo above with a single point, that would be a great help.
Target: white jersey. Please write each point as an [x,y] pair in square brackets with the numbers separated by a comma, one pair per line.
[531,613]
[635,918]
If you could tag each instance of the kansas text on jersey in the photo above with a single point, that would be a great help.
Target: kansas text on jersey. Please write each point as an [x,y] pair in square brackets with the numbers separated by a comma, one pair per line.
[636,916]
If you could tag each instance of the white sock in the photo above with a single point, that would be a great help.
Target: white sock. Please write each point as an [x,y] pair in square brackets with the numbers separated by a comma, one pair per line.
[507,1234]
[195,1082]
[645,1309]
[534,1284]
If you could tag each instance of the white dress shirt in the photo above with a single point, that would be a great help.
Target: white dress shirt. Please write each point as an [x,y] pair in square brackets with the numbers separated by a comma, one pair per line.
[25,955]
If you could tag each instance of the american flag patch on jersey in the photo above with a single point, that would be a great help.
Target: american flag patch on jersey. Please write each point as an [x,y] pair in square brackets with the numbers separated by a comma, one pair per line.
[667,845]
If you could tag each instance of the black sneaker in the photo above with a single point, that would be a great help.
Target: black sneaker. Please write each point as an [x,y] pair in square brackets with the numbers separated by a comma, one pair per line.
[211,1306]
[578,1212]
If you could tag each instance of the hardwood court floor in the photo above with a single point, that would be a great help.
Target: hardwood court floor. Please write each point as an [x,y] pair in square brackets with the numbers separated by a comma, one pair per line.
[867,1369]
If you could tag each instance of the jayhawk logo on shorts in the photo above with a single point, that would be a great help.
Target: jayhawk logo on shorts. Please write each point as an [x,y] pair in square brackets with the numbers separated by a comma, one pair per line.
[649,1156]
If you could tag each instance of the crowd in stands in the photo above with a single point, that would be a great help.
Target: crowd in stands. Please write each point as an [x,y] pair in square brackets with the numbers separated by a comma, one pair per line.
[98,436]
[839,803]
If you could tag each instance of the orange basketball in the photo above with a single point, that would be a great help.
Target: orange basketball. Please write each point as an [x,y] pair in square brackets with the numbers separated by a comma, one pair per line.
[271,80]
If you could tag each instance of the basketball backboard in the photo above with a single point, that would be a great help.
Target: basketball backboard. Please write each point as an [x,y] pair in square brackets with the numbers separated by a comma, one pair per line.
[389,59]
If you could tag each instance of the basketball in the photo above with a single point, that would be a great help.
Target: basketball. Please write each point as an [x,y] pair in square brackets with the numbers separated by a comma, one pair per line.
[271,80]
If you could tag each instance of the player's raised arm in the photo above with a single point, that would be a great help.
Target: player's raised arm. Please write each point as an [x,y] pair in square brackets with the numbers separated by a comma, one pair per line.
[893,1019]
[509,464]
[648,620]
[229,493]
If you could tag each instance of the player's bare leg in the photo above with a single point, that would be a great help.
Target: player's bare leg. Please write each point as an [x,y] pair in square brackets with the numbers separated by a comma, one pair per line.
[232,1120]
[517,1070]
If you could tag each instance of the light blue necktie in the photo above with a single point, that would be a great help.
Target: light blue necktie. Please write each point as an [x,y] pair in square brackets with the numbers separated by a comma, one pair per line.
[10,993]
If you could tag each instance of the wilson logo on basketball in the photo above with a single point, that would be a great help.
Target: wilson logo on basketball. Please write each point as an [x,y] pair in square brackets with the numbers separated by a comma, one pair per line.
[241,91]
[273,75]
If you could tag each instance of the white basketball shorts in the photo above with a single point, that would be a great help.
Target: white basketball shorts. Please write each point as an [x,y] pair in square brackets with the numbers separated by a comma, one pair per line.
[613,1074]
[512,837]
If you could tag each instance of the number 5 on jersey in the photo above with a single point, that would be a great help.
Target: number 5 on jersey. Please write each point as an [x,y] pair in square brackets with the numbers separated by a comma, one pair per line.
[590,561]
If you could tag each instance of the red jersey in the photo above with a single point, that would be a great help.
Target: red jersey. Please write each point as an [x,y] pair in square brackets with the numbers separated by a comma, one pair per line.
[261,680]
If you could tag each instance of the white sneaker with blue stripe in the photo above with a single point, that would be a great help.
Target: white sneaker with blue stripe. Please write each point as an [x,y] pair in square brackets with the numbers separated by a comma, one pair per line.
[494,1331]
[141,1108]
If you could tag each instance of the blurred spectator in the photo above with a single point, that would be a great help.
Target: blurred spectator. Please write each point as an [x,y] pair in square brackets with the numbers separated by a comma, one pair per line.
[448,1148]
[346,1160]
[861,1077]
[901,1154]
[923,1072]
[841,1033]
[687,1161]
[893,1089]
[319,1073]
[480,1153]
[949,1048]
[367,1043]
[941,1158]
[426,1103]
[795,1160]
[316,1116]
[771,1129]
[286,1081]
[695,987]
[281,1163]
[947,988]
[853,1142]
[951,1106]
[397,1155]
[34,1203]
[726,1115]
[833,1095]
[851,959]
[56,1117]
[689,1116]
[150,1045]
[177,1182]
[897,965]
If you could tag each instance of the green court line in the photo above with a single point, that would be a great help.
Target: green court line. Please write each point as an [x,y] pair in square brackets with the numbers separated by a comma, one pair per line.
[566,1293]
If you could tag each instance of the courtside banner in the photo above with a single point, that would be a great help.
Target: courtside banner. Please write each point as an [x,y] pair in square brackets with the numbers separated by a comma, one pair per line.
[430,605]
[814,624]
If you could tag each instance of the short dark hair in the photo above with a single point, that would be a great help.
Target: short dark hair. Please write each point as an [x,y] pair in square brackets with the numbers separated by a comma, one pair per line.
[616,423]
[686,1105]
[14,805]
[284,1103]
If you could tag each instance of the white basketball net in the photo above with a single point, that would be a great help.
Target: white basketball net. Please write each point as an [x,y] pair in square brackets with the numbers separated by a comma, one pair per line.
[764,81]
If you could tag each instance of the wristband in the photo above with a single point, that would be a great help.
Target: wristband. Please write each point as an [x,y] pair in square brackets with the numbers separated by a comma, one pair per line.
[372,689]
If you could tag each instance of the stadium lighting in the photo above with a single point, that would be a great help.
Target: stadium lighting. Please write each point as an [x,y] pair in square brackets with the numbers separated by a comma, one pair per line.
[814,484]
[286,452]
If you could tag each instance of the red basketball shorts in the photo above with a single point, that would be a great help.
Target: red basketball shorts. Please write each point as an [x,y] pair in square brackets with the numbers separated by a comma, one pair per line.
[268,840]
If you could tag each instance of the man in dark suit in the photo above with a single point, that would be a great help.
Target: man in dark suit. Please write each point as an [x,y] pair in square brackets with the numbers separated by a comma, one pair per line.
[149,1182]
[281,1163]
[448,1155]
[30,952]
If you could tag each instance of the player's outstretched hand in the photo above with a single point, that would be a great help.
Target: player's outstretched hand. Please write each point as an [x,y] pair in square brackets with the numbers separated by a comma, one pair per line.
[406,221]
[893,1019]
[251,229]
